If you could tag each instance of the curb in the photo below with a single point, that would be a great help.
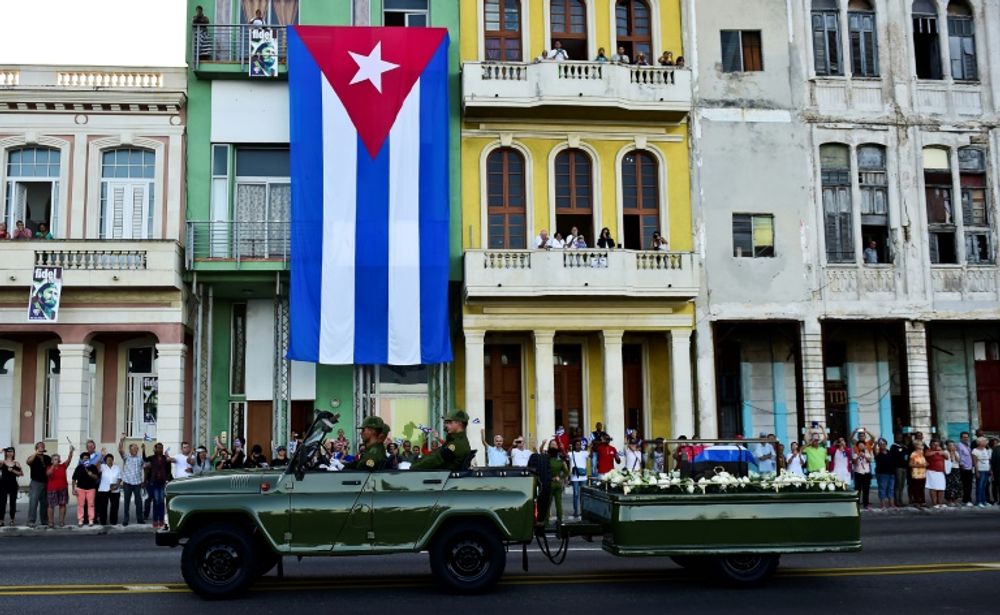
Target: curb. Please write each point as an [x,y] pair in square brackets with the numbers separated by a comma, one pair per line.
[65,532]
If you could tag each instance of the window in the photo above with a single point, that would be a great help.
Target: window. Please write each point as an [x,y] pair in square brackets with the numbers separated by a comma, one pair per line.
[263,201]
[753,235]
[505,199]
[574,194]
[32,188]
[127,193]
[826,37]
[568,24]
[962,42]
[502,30]
[274,12]
[633,27]
[926,46]
[741,51]
[142,392]
[940,214]
[874,202]
[238,350]
[864,39]
[640,199]
[838,215]
[975,205]
[411,13]
[50,396]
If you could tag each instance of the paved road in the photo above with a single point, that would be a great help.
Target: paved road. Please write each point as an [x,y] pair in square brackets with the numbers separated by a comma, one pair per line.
[949,563]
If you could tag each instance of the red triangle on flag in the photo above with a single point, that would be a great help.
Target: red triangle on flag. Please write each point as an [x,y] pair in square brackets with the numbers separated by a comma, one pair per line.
[358,60]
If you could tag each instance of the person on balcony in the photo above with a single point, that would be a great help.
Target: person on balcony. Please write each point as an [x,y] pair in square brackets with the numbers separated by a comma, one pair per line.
[200,21]
[667,59]
[680,62]
[621,57]
[258,20]
[601,57]
[571,238]
[43,231]
[580,243]
[557,243]
[558,53]
[640,60]
[605,240]
[871,253]
[659,243]
[543,242]
[21,231]
[3,231]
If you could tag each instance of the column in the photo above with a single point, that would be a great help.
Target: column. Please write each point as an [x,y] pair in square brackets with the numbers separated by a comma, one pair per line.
[780,401]
[545,386]
[614,387]
[918,376]
[74,385]
[813,379]
[681,395]
[170,395]
[708,418]
[475,390]
[853,407]
[884,394]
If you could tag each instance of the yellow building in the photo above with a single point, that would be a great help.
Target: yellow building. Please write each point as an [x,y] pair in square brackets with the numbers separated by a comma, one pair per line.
[560,133]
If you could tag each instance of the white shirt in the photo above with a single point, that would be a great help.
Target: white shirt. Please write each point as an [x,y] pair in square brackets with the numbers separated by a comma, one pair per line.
[110,475]
[496,457]
[543,243]
[768,465]
[633,459]
[794,463]
[578,459]
[181,466]
[519,457]
[558,54]
[982,459]
[557,244]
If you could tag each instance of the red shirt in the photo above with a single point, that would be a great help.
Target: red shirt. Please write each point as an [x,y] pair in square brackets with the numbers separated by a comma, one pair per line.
[57,478]
[606,458]
[935,463]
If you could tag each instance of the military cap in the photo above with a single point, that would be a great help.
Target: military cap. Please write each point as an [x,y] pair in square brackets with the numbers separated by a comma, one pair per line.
[374,422]
[458,415]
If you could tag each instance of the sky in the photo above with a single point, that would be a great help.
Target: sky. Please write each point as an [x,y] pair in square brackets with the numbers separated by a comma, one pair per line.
[94,32]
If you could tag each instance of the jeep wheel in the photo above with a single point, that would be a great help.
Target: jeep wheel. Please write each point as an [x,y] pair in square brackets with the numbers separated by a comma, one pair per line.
[745,570]
[468,558]
[217,562]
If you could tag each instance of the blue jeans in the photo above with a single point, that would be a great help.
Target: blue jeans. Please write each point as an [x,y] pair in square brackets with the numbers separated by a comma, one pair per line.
[886,486]
[155,493]
[982,480]
[576,497]
[133,493]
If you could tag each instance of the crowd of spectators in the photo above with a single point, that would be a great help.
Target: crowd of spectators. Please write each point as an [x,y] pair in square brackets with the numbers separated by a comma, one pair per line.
[559,54]
[21,231]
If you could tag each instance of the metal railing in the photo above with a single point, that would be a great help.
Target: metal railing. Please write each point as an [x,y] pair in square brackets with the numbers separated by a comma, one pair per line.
[230,44]
[237,241]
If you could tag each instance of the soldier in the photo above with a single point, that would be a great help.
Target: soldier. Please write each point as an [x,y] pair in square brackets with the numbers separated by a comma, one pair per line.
[373,458]
[455,449]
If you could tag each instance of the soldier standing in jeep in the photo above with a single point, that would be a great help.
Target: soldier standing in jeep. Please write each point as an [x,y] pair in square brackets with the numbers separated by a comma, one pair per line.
[455,449]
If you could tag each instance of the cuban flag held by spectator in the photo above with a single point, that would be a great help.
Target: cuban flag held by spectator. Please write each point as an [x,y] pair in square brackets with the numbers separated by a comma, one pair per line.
[370,201]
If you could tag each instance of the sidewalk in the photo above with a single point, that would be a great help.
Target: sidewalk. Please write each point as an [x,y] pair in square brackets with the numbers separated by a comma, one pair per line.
[22,529]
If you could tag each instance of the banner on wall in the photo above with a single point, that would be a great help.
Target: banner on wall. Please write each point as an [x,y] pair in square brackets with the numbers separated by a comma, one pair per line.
[46,288]
[150,388]
[263,53]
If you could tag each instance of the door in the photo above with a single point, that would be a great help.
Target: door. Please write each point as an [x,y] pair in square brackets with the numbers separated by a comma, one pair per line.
[404,506]
[988,394]
[503,390]
[128,216]
[331,510]
[635,416]
[568,388]
[301,416]
[259,425]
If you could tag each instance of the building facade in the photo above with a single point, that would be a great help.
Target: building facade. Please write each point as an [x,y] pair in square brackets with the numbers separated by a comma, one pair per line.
[554,139]
[238,208]
[844,167]
[92,166]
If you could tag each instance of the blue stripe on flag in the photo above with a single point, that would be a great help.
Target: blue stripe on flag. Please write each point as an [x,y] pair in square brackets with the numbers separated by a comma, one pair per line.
[435,339]
[305,100]
[371,294]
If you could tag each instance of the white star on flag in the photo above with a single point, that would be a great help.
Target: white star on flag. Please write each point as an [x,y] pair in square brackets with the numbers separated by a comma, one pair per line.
[371,67]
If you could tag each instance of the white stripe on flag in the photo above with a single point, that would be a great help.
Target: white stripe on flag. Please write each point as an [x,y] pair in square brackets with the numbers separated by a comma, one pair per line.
[340,154]
[404,233]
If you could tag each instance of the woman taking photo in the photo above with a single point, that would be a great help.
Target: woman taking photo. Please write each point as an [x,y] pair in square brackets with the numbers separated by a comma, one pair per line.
[863,473]
[935,473]
[918,474]
[795,461]
[10,471]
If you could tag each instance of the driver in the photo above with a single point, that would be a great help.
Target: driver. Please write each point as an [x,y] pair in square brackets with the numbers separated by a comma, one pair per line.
[372,430]
[456,447]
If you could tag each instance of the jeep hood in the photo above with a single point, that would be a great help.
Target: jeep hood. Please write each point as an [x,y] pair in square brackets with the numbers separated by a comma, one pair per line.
[225,482]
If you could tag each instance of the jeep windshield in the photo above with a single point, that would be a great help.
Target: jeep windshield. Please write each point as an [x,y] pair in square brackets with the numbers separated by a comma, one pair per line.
[312,444]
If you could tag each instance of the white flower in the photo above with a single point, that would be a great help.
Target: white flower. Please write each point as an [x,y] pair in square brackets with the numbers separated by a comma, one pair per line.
[690,488]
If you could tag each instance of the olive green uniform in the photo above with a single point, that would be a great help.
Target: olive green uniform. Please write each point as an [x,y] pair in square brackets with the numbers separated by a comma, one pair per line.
[372,459]
[457,444]
[559,474]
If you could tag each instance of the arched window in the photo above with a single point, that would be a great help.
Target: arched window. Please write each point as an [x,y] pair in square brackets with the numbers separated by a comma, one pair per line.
[962,42]
[863,37]
[32,189]
[574,194]
[633,24]
[939,197]
[505,199]
[502,30]
[640,199]
[127,193]
[838,215]
[568,24]
[926,43]
[826,37]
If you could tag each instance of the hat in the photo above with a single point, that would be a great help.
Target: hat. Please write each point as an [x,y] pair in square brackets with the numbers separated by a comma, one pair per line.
[458,415]
[386,428]
[374,422]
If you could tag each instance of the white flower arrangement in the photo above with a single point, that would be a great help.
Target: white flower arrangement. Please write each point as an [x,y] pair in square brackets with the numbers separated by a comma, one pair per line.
[647,481]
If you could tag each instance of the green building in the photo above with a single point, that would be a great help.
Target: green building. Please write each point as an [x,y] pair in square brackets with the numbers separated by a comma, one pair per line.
[238,204]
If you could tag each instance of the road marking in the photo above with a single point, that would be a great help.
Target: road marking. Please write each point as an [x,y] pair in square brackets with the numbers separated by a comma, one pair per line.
[272,584]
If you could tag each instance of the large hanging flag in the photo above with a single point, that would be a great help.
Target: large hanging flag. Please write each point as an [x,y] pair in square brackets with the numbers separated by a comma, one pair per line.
[370,203]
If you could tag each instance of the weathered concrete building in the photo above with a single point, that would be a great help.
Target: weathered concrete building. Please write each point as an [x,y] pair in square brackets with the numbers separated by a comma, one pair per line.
[844,162]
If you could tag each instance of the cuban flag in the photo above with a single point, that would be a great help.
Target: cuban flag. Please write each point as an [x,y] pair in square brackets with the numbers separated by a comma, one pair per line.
[370,202]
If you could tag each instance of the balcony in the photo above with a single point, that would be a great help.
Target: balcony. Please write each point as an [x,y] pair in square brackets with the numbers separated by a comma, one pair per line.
[226,246]
[224,51]
[542,273]
[95,262]
[965,283]
[861,283]
[949,98]
[569,86]
[837,95]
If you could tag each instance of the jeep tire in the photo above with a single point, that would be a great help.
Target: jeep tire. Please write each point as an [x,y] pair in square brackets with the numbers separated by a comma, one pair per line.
[745,570]
[218,561]
[467,557]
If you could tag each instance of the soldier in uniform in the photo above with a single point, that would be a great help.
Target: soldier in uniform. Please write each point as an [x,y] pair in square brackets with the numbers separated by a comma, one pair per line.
[451,454]
[373,458]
